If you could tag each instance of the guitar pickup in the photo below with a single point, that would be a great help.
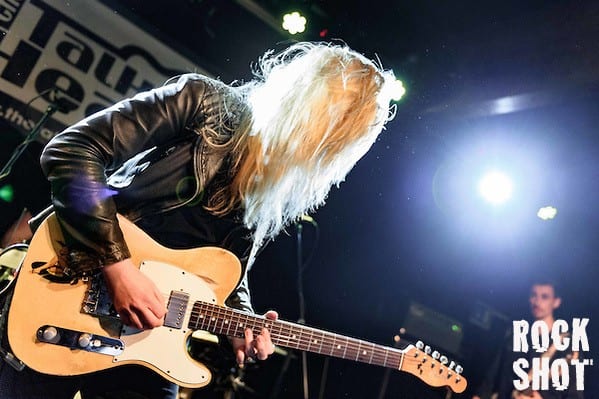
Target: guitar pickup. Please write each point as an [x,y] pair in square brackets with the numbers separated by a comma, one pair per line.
[80,340]
[176,308]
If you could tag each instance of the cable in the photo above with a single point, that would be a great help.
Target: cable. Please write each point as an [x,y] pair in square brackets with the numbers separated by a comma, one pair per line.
[52,107]
[301,267]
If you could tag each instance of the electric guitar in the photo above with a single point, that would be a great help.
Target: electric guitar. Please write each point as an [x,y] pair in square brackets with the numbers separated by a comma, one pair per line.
[67,327]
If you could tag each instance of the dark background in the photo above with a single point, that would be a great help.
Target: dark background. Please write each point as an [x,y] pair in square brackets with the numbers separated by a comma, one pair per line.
[512,83]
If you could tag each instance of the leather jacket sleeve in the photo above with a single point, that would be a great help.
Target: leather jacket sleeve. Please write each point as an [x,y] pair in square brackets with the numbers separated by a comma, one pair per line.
[78,161]
[240,298]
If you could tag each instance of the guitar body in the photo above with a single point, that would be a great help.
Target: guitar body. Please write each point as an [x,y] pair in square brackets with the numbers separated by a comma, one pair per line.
[207,274]
[62,327]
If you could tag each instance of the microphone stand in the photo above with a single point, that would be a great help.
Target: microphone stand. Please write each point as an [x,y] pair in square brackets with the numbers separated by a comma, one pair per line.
[302,304]
[50,110]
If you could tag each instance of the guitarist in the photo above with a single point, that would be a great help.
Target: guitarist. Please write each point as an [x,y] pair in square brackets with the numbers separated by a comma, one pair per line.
[197,162]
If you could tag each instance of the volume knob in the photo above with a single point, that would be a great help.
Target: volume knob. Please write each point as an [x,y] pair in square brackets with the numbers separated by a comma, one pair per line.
[50,334]
[84,340]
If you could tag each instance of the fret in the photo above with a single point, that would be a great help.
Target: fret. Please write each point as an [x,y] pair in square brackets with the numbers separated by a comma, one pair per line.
[385,360]
[228,324]
[218,322]
[240,326]
[333,344]
[345,349]
[302,338]
[322,335]
[400,362]
[287,338]
[295,338]
[308,339]
[200,321]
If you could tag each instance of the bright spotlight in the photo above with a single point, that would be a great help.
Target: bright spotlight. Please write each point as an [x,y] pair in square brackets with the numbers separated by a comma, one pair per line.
[547,212]
[397,90]
[294,23]
[495,187]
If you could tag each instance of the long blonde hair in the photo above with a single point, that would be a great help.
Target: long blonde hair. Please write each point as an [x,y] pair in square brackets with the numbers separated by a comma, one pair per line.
[315,110]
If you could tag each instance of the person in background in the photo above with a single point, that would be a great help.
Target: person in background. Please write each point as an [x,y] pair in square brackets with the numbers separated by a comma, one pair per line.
[544,300]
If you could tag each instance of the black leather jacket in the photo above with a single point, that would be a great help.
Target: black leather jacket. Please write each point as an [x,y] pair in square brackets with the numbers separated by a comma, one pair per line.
[140,149]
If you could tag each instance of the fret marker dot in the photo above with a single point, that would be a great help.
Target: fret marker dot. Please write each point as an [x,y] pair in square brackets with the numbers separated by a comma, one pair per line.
[364,352]
[293,336]
[315,341]
[214,318]
[338,346]
[201,316]
[226,321]
[240,324]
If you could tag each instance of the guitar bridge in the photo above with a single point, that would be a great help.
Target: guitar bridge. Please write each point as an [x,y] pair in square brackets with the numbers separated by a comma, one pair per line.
[97,300]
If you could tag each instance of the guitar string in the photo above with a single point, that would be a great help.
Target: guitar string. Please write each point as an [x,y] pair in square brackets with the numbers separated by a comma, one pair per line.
[284,333]
[278,328]
[202,314]
[328,340]
[377,357]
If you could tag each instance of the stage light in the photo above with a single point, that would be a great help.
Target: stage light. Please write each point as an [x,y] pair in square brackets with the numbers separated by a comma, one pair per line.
[294,23]
[547,213]
[495,187]
[7,193]
[397,90]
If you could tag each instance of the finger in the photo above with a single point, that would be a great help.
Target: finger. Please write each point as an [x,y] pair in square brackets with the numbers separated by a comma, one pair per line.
[263,347]
[148,318]
[240,356]
[133,320]
[161,306]
[125,319]
[271,315]
[269,347]
[158,309]
[250,351]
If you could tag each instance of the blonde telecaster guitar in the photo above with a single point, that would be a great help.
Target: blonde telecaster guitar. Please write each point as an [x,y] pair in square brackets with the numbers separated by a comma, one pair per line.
[63,327]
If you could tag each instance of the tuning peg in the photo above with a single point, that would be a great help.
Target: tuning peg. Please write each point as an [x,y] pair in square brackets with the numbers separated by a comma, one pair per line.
[420,345]
[444,359]
[451,365]
[427,349]
[459,369]
[436,355]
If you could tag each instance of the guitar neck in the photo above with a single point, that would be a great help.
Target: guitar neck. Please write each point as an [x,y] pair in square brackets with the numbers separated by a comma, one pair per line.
[233,323]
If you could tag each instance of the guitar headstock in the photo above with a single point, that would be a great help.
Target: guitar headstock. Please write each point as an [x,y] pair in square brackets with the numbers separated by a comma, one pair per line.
[433,368]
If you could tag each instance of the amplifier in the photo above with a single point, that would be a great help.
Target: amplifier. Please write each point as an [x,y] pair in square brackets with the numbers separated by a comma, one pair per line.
[433,328]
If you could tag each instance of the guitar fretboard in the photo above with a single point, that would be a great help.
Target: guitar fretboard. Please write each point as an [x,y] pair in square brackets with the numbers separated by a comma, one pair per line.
[233,323]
